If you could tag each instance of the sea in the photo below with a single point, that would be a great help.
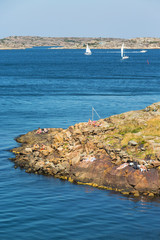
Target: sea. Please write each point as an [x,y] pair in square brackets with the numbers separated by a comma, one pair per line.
[56,88]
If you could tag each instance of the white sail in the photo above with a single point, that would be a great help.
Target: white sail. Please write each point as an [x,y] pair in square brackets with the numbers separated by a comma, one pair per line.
[122,50]
[88,51]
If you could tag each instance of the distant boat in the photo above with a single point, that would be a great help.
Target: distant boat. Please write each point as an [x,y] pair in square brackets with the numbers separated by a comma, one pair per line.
[88,51]
[143,51]
[122,52]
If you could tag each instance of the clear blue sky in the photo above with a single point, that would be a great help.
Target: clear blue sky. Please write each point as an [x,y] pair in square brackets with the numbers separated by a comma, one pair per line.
[80,18]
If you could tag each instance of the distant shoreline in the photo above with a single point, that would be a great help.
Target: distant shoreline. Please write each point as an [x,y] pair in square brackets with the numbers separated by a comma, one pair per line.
[22,42]
[61,48]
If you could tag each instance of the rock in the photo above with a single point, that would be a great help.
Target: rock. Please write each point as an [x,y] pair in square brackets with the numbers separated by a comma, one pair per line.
[68,134]
[151,195]
[39,165]
[143,149]
[132,143]
[44,152]
[66,167]
[36,154]
[123,154]
[156,163]
[49,149]
[149,181]
[117,150]
[76,159]
[69,153]
[125,193]
[28,150]
[136,194]
[100,145]
[145,193]
[78,147]
[77,132]
[58,137]
[90,146]
[134,176]
[118,162]
[60,148]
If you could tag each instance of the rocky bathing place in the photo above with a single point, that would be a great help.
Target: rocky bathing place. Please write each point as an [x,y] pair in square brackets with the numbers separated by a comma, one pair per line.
[120,153]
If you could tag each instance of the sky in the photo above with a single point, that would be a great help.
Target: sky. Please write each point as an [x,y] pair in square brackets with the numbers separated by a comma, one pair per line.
[80,18]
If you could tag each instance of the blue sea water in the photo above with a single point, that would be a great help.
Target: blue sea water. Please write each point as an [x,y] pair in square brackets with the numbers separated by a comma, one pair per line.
[42,87]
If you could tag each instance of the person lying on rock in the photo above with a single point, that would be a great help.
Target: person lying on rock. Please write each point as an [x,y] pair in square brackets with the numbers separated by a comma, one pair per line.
[39,131]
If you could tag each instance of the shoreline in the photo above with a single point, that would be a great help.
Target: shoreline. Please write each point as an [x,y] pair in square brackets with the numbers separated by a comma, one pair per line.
[72,48]
[119,153]
[20,42]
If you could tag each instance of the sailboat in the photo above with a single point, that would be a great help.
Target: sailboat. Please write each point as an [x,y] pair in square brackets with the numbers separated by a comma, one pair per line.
[122,54]
[88,51]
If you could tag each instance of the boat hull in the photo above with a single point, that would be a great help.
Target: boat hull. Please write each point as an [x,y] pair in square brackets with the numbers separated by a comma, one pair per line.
[125,57]
[88,53]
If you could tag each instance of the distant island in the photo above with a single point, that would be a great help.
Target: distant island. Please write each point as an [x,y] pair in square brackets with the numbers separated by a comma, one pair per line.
[23,42]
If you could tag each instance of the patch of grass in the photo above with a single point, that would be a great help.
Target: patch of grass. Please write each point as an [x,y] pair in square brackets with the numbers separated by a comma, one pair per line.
[136,130]
[153,127]
[154,42]
[124,131]
[127,138]
[112,140]
[148,154]
[131,136]
[124,146]
[129,127]
[142,142]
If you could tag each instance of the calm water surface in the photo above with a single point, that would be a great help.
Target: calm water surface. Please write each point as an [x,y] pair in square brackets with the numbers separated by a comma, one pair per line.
[41,87]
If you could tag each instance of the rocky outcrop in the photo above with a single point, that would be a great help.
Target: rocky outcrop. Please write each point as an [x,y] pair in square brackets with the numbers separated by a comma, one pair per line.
[121,152]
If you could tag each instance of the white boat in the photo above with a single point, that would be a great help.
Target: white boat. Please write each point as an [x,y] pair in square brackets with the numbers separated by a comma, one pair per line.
[122,52]
[143,51]
[88,51]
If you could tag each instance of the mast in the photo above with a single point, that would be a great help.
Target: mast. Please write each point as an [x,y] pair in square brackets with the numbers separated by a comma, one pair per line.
[93,110]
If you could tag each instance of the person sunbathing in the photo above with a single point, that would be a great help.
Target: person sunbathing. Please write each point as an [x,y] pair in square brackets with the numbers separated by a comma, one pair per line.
[94,123]
[39,131]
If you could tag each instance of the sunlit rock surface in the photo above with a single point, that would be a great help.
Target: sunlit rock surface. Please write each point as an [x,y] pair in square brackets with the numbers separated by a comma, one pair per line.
[121,152]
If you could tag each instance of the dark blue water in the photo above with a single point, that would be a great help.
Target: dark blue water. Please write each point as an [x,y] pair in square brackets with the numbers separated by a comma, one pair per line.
[41,87]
